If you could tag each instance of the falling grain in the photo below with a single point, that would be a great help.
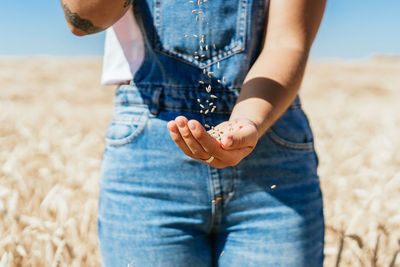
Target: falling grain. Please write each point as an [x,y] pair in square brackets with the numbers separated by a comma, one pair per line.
[68,146]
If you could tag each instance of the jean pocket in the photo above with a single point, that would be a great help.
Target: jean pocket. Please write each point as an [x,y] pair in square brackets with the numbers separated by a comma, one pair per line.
[200,35]
[292,131]
[126,126]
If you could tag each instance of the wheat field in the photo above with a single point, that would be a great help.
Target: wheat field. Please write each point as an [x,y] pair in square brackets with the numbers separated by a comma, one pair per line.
[53,119]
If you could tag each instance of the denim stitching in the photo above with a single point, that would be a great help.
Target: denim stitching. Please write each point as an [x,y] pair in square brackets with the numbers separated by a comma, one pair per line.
[127,104]
[202,65]
[211,193]
[244,24]
[140,121]
[288,144]
[176,87]
[239,44]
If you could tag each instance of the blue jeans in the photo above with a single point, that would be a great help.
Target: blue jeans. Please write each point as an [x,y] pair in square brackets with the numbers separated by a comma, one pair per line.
[158,207]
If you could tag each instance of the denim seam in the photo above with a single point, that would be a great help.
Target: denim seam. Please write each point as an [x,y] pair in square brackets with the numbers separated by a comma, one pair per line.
[121,103]
[214,59]
[228,195]
[136,131]
[239,42]
[288,144]
[245,5]
[212,194]
[175,87]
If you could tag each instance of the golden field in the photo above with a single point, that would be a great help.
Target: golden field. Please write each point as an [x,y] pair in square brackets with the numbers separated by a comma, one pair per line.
[53,119]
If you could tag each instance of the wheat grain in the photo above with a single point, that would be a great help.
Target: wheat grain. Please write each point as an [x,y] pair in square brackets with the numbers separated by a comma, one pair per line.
[367,151]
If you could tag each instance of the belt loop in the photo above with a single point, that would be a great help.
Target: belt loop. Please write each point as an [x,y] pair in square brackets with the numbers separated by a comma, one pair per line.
[155,99]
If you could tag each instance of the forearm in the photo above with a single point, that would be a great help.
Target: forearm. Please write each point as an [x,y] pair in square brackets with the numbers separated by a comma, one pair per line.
[274,80]
[91,16]
[270,87]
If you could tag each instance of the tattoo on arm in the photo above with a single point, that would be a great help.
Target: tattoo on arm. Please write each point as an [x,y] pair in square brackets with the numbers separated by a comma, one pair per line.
[80,23]
[127,3]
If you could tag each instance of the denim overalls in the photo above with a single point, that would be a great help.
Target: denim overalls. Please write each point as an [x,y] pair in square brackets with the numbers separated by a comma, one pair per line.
[157,206]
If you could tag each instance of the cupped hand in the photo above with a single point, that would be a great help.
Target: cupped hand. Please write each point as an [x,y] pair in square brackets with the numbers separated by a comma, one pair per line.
[229,142]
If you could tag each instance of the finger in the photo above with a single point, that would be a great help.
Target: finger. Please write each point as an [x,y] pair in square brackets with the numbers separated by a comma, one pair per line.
[194,146]
[213,147]
[209,143]
[246,136]
[176,136]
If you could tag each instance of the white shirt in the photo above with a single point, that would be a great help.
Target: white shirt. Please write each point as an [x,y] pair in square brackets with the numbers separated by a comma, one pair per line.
[123,50]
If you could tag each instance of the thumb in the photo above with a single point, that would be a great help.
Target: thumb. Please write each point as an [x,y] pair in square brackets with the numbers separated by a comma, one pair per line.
[245,137]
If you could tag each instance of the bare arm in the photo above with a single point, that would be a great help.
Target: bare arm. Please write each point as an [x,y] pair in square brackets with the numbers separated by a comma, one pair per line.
[274,79]
[91,16]
[269,88]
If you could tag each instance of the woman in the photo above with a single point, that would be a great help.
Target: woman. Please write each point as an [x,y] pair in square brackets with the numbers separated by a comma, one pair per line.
[245,193]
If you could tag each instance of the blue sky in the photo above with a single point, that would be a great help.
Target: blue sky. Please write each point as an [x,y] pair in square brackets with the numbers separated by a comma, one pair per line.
[350,29]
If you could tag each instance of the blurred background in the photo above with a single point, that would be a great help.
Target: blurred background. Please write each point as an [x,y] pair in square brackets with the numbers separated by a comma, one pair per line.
[54,113]
[351,29]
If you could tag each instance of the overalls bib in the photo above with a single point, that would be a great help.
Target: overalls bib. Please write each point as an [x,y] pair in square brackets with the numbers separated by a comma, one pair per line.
[159,207]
